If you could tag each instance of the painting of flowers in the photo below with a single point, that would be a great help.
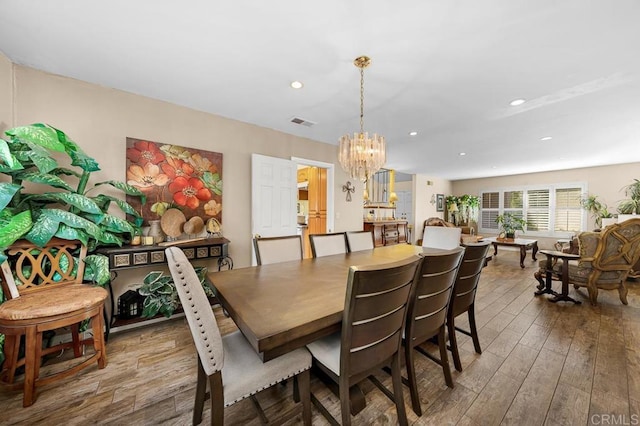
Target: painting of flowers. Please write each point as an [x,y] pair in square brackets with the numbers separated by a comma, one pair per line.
[174,176]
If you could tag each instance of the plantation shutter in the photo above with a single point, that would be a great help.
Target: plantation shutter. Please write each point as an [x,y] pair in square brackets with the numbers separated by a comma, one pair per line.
[538,210]
[568,214]
[489,210]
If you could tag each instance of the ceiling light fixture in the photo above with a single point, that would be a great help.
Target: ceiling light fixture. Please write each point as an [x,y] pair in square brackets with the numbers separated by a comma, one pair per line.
[462,154]
[413,133]
[361,156]
[517,102]
[296,84]
[546,138]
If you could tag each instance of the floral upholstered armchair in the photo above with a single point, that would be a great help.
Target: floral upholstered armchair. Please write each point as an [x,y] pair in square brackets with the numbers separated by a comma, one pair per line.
[606,258]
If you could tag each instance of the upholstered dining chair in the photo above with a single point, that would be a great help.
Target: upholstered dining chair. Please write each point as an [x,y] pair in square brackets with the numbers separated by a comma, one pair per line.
[441,237]
[229,364]
[328,244]
[606,259]
[427,314]
[360,240]
[278,249]
[45,292]
[372,324]
[464,297]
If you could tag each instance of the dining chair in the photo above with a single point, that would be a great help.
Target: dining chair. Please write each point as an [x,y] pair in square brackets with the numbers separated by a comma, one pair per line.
[372,324]
[50,295]
[464,296]
[229,363]
[441,237]
[328,244]
[278,249]
[360,240]
[427,314]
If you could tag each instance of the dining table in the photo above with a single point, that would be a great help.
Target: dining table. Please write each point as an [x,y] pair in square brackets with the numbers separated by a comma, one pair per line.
[283,306]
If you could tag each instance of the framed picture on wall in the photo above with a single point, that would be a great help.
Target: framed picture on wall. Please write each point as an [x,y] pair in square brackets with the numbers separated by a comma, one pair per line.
[440,202]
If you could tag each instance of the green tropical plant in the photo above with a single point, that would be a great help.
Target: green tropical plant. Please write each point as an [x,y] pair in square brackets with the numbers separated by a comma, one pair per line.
[161,296]
[510,223]
[463,209]
[61,205]
[632,204]
[596,208]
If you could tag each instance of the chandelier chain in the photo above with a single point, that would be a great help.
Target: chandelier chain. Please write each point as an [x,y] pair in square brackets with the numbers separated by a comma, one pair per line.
[362,100]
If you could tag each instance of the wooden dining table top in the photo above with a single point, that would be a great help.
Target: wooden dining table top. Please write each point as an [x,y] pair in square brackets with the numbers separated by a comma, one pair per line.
[283,306]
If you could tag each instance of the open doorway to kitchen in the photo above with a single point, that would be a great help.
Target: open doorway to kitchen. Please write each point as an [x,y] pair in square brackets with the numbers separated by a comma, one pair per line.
[315,206]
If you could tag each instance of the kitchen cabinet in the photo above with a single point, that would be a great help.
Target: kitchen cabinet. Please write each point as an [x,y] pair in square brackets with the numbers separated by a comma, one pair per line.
[317,196]
[387,232]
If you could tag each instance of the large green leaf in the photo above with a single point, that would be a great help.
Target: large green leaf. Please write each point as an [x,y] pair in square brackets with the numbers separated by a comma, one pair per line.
[15,228]
[152,277]
[81,202]
[115,224]
[68,233]
[110,238]
[73,220]
[9,161]
[41,158]
[64,171]
[43,229]
[104,200]
[124,187]
[97,269]
[38,134]
[7,191]
[78,157]
[45,179]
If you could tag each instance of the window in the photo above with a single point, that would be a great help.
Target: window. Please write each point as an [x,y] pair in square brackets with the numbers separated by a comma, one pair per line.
[549,210]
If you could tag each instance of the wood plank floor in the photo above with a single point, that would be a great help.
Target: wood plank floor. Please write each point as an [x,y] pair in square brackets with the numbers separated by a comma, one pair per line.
[542,363]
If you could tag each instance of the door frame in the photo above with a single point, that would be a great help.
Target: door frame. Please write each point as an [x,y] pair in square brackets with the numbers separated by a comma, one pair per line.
[330,167]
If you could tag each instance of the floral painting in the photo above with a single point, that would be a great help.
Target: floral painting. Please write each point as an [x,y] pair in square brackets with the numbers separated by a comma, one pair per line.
[175,176]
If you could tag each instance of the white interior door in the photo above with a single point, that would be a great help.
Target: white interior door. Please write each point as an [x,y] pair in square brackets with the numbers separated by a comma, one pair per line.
[274,193]
[404,205]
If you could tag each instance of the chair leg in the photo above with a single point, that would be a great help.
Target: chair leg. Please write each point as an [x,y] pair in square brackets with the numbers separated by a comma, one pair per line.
[31,367]
[345,403]
[304,393]
[11,349]
[593,294]
[201,389]
[397,390]
[444,360]
[97,326]
[453,343]
[622,290]
[411,379]
[217,399]
[75,336]
[473,328]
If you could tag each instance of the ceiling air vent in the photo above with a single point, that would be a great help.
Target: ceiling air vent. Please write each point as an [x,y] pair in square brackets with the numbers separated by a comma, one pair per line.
[302,121]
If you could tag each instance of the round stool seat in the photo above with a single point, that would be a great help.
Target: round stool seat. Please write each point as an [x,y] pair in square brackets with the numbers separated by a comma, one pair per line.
[59,301]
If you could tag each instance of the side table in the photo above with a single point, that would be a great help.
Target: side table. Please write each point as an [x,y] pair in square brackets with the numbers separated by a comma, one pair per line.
[564,295]
[132,257]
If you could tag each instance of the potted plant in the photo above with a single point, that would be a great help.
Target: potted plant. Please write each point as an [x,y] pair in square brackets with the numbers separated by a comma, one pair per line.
[62,204]
[632,204]
[510,223]
[597,209]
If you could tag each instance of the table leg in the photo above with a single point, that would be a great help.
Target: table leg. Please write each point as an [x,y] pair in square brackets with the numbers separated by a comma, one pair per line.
[523,254]
[546,288]
[495,249]
[564,296]
[534,250]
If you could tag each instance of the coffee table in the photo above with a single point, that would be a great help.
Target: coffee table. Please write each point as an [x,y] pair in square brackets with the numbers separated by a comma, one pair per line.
[522,243]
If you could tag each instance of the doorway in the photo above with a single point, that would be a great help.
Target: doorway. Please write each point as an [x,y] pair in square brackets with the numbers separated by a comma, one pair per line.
[314,208]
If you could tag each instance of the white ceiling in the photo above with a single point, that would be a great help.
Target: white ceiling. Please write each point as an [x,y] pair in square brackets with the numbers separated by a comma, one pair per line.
[444,68]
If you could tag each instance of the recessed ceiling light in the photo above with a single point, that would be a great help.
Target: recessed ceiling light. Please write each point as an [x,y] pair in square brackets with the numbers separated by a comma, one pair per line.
[413,133]
[517,102]
[296,84]
[546,138]
[494,167]
[462,153]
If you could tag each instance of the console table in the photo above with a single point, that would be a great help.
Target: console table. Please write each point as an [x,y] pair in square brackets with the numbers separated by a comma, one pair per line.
[142,256]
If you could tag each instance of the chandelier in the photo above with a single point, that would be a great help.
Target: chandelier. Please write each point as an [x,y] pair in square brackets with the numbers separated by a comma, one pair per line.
[361,156]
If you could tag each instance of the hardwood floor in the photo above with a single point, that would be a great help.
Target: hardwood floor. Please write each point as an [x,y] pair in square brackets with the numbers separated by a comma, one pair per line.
[542,363]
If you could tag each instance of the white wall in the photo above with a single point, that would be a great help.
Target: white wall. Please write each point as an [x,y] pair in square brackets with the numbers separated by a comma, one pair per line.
[423,188]
[6,94]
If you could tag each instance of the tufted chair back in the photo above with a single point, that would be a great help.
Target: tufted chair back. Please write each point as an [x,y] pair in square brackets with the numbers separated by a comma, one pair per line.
[204,328]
